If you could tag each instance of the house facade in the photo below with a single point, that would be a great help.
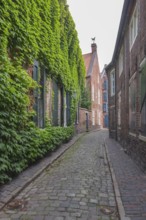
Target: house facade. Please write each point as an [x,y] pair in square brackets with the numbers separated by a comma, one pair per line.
[93,85]
[49,100]
[127,82]
[104,81]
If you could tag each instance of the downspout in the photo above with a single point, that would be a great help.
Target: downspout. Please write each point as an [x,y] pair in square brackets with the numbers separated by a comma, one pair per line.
[115,103]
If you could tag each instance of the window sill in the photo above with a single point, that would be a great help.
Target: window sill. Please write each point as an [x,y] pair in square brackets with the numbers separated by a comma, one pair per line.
[143,138]
[132,134]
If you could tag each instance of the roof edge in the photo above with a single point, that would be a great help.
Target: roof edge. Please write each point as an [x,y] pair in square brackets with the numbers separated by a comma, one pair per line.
[122,26]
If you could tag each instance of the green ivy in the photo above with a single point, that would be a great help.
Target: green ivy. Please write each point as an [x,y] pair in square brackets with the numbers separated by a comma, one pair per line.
[31,30]
[86,99]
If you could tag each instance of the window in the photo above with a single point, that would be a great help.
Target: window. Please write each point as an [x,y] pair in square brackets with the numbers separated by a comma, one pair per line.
[143,97]
[132,105]
[104,107]
[105,97]
[133,28]
[112,79]
[121,61]
[68,108]
[39,75]
[104,86]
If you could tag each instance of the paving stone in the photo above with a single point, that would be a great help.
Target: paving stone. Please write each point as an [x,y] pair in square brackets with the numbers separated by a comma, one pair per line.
[71,218]
[59,218]
[83,203]
[38,218]
[71,195]
[49,218]
[130,180]
[76,214]
[93,201]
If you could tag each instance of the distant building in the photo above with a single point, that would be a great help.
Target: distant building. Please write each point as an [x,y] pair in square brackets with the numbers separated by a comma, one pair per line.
[104,81]
[127,82]
[94,86]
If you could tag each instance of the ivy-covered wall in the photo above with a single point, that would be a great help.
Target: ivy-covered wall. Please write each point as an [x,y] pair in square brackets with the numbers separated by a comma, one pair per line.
[31,30]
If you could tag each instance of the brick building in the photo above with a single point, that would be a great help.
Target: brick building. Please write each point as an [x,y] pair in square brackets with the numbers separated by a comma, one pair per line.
[93,83]
[104,81]
[127,82]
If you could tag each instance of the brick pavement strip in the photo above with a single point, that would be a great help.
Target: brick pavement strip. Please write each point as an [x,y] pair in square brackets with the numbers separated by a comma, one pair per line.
[116,189]
[131,182]
[77,186]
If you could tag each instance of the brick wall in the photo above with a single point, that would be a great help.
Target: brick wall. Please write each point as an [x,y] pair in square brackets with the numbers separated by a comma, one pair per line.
[82,126]
[130,138]
[96,104]
[93,83]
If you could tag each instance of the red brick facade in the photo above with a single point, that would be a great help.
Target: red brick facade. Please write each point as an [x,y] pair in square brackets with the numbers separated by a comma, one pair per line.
[127,106]
[85,118]
[93,83]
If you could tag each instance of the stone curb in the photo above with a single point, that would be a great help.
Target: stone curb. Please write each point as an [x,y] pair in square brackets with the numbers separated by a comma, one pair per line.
[119,202]
[54,156]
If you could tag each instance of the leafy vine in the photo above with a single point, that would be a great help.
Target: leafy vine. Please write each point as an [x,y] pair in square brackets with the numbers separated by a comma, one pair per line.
[31,30]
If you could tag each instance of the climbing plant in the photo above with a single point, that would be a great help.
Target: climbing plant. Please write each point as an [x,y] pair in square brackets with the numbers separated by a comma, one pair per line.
[31,30]
[86,99]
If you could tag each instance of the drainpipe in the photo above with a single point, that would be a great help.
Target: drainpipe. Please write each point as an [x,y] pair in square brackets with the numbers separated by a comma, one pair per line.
[116,102]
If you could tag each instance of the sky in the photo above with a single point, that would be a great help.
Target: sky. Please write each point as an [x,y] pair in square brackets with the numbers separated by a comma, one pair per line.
[99,19]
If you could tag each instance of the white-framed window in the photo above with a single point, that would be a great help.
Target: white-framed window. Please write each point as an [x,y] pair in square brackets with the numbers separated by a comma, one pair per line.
[112,80]
[93,117]
[121,56]
[133,27]
[92,92]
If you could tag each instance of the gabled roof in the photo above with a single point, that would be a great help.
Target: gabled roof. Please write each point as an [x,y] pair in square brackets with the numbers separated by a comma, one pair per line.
[89,60]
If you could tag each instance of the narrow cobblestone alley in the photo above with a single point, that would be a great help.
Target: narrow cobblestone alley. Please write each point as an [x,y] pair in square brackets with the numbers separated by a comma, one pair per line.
[77,186]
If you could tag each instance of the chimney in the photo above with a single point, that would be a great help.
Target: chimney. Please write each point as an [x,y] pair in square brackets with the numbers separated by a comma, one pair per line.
[93,47]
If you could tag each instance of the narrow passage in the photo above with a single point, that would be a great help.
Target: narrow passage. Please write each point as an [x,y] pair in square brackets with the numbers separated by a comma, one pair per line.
[77,186]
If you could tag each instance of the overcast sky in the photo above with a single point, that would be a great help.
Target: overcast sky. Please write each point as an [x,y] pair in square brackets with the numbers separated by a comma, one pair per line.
[100,19]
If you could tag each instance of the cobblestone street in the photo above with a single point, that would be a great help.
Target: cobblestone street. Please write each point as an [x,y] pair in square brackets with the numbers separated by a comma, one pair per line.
[76,186]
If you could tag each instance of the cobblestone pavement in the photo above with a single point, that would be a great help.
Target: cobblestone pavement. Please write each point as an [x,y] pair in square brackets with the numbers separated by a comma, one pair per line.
[131,181]
[9,190]
[77,186]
